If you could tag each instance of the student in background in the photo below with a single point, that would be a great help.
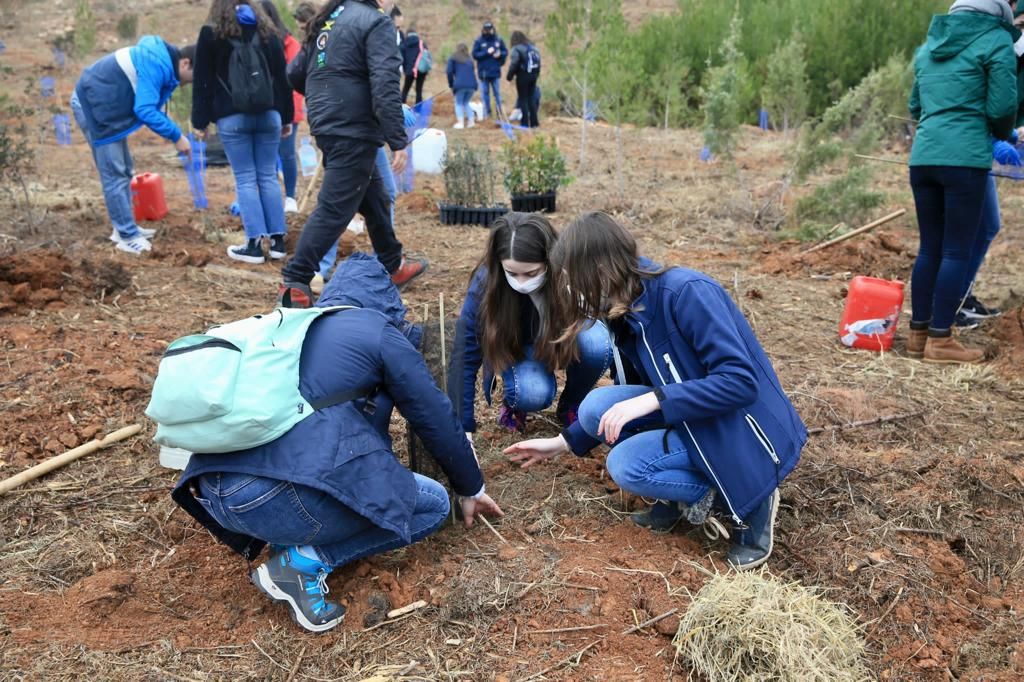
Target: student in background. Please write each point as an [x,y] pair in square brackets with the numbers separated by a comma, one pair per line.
[287,151]
[524,67]
[115,97]
[413,49]
[252,114]
[490,54]
[462,81]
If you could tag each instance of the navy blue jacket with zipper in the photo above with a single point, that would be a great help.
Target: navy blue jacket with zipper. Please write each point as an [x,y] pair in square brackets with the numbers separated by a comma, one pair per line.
[461,75]
[468,355]
[337,449]
[717,388]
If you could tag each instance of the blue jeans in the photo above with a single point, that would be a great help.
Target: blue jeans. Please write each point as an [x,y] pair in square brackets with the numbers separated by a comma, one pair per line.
[384,167]
[282,513]
[530,386]
[114,163]
[462,99]
[990,224]
[251,143]
[289,162]
[949,201]
[648,461]
[486,86]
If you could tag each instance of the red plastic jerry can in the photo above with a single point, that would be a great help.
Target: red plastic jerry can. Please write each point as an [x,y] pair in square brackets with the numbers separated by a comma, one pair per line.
[148,200]
[872,313]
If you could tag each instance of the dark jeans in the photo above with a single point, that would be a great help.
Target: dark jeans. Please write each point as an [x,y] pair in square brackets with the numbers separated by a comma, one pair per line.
[990,224]
[352,184]
[409,79]
[526,87]
[949,202]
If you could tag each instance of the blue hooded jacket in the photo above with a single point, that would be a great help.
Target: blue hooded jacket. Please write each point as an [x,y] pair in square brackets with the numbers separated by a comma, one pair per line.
[338,450]
[717,388]
[488,66]
[461,75]
[116,103]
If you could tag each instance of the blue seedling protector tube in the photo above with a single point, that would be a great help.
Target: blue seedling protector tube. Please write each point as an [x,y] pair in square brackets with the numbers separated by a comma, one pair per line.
[47,86]
[762,119]
[59,58]
[62,129]
[508,129]
[195,171]
[705,154]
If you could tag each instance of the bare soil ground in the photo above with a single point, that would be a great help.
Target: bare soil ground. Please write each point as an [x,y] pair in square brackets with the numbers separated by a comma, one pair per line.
[914,523]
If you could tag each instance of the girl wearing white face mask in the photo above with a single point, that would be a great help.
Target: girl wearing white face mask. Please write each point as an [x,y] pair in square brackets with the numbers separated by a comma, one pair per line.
[504,328]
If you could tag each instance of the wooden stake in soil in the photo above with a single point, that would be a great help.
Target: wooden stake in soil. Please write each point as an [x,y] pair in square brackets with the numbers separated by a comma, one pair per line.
[895,162]
[856,233]
[309,190]
[70,456]
[444,360]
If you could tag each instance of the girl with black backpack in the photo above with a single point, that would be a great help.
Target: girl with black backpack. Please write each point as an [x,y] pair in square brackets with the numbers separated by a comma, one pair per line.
[524,67]
[241,85]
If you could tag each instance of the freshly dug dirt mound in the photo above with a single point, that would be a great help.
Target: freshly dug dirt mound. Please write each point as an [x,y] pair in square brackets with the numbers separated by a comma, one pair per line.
[881,254]
[39,279]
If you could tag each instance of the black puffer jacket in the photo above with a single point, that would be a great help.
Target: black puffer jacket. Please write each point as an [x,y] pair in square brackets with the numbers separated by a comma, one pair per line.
[349,75]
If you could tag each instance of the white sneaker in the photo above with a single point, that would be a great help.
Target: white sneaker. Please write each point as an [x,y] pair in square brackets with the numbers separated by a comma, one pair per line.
[290,205]
[459,126]
[115,236]
[135,245]
[472,122]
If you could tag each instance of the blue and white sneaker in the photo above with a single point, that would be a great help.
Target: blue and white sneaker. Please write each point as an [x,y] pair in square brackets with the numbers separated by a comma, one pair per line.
[116,237]
[300,582]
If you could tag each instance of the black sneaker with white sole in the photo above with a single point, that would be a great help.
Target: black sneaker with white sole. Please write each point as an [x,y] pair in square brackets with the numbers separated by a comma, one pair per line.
[301,583]
[973,309]
[964,323]
[277,251]
[249,252]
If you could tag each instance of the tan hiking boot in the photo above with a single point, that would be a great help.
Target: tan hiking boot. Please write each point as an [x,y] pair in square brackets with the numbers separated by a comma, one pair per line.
[948,351]
[916,342]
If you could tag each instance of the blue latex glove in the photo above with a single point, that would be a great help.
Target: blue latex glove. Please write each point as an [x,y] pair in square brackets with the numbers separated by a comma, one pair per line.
[410,117]
[1005,153]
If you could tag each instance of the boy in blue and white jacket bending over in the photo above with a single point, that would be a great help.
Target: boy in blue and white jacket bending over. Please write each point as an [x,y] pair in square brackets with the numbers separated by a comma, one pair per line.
[115,97]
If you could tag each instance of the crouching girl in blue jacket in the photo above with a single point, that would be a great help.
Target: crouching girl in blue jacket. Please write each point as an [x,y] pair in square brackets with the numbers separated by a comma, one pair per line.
[698,419]
[331,491]
[504,328]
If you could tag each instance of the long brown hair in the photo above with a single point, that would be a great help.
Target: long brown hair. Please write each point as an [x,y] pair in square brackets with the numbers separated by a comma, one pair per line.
[527,238]
[597,277]
[518,38]
[225,24]
[461,53]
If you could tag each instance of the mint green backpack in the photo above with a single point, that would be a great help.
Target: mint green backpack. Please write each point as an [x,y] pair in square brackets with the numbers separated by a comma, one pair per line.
[236,386]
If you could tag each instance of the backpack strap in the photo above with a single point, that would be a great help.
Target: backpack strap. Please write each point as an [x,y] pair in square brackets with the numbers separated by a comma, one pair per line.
[339,398]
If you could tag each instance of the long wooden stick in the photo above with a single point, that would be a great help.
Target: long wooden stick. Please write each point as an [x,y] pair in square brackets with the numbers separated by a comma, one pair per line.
[866,422]
[646,623]
[856,233]
[70,456]
[879,158]
[409,608]
[444,349]
[309,190]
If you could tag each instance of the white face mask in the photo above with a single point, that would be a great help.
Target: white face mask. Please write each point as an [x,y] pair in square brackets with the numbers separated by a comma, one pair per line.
[529,286]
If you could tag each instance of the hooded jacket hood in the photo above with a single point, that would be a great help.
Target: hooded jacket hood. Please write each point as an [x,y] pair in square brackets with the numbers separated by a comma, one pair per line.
[996,8]
[951,34]
[361,281]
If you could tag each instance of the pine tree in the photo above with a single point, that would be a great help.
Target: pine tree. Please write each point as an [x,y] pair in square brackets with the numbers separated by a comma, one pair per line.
[722,94]
[786,93]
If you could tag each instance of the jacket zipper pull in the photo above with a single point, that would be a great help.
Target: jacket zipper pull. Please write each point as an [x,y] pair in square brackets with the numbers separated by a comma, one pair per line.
[672,368]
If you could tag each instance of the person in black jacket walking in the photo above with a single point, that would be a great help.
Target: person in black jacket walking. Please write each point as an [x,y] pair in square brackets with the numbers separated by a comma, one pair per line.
[412,50]
[524,67]
[348,72]
[252,115]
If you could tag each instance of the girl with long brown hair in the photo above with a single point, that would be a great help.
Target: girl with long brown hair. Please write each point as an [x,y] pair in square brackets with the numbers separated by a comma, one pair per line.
[698,419]
[504,327]
[253,110]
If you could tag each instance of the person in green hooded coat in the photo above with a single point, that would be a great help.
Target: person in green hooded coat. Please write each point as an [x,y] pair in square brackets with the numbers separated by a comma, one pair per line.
[964,94]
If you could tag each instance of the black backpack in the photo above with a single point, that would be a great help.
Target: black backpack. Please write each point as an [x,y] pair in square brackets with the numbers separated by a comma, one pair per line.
[249,82]
[532,59]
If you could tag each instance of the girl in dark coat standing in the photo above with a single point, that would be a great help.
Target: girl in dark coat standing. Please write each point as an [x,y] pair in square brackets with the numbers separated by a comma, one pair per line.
[413,48]
[524,67]
[251,138]
[462,81]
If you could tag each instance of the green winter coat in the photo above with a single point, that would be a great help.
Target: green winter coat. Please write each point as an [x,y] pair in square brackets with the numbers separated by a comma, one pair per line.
[965,90]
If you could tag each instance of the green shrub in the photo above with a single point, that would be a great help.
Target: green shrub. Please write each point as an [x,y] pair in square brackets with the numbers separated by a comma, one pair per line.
[128,26]
[536,166]
[470,176]
[286,16]
[85,29]
[849,198]
[786,93]
[180,106]
[722,96]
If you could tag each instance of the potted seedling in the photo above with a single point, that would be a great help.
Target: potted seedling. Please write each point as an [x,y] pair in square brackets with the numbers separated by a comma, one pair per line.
[534,170]
[470,183]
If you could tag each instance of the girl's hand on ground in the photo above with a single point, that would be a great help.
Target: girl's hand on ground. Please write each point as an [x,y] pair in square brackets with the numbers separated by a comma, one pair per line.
[620,414]
[531,452]
[472,508]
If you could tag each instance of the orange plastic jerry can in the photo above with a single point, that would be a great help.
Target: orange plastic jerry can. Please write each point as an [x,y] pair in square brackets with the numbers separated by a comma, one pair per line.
[148,200]
[872,313]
